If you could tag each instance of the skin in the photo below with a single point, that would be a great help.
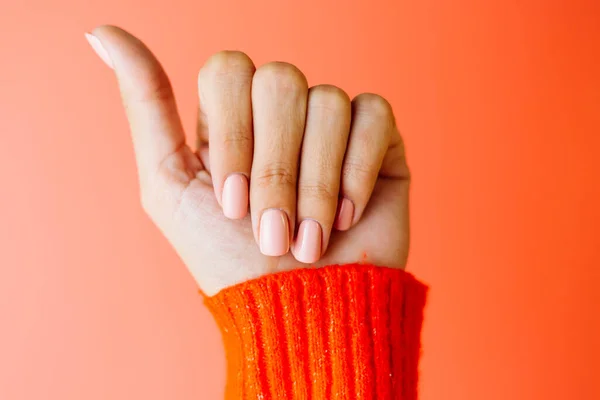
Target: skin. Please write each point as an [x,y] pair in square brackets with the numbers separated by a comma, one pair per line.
[301,149]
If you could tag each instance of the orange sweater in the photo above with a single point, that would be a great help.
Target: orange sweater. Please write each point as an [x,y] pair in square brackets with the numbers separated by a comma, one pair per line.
[339,332]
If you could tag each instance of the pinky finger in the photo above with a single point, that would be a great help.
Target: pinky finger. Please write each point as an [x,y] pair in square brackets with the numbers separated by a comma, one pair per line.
[371,135]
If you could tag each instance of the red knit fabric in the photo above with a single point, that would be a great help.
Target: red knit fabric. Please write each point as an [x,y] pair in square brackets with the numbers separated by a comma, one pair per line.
[339,332]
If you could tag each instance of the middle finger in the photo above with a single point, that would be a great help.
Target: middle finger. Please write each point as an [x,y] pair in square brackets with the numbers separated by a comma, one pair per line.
[279,95]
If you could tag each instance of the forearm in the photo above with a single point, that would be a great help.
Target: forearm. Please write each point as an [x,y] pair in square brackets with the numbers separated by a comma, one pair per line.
[339,332]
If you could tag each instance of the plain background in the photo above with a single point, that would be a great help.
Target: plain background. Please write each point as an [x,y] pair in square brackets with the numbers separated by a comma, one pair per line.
[499,105]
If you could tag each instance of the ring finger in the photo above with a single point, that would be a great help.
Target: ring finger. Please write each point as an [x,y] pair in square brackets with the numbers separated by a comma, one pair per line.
[323,149]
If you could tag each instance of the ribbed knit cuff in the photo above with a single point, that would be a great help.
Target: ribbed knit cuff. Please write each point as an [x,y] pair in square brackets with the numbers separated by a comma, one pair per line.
[339,332]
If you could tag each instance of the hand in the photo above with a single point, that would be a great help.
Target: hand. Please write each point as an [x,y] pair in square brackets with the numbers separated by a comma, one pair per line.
[322,175]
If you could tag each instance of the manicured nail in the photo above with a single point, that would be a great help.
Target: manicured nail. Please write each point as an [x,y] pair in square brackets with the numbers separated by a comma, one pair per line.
[235,196]
[345,213]
[308,242]
[274,233]
[99,49]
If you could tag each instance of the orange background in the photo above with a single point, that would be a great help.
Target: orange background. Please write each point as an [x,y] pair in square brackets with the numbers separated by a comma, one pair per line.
[499,104]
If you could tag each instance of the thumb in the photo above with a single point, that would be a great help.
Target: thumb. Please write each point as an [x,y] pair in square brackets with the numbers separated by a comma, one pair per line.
[147,96]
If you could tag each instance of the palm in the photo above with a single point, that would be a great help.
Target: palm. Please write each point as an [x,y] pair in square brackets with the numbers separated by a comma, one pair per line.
[205,238]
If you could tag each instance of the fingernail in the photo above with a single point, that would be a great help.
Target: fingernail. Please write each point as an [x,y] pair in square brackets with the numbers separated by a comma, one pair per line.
[274,233]
[235,196]
[308,242]
[99,49]
[344,215]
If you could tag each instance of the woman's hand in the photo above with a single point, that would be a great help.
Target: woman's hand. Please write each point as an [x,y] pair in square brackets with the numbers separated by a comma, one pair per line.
[322,176]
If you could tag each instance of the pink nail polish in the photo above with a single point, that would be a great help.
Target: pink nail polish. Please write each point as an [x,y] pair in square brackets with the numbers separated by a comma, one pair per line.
[99,49]
[307,248]
[345,214]
[274,233]
[235,196]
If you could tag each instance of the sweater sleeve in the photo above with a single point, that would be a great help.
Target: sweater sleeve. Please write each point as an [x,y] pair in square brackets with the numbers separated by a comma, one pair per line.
[338,332]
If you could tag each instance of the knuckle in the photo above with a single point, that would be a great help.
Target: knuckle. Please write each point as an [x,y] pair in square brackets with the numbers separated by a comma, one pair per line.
[329,98]
[278,174]
[357,169]
[283,76]
[319,191]
[237,138]
[228,65]
[373,105]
